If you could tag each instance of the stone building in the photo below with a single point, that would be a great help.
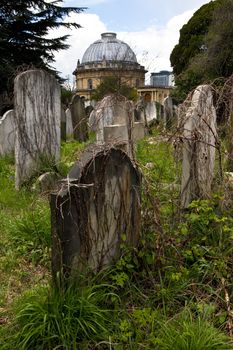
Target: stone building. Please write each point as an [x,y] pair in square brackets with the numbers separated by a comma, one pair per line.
[106,57]
[110,56]
[154,93]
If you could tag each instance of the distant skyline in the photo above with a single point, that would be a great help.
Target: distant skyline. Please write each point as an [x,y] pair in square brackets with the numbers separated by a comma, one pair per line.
[150,27]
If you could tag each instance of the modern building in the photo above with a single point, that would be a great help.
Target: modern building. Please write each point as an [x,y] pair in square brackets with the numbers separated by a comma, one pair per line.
[106,57]
[163,78]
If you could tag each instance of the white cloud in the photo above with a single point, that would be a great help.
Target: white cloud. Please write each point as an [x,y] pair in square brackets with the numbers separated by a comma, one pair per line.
[84,3]
[79,40]
[92,2]
[152,46]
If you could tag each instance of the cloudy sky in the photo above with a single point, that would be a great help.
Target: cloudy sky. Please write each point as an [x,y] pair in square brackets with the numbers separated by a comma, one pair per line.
[150,27]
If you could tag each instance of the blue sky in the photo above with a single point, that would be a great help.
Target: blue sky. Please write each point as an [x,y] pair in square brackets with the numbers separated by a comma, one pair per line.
[150,27]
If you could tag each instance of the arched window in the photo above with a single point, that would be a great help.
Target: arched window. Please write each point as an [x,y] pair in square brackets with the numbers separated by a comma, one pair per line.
[147,97]
[89,84]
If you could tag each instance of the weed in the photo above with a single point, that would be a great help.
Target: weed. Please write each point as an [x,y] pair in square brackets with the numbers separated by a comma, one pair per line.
[53,318]
[187,332]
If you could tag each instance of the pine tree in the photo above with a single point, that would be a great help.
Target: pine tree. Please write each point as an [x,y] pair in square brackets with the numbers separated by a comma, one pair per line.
[24,25]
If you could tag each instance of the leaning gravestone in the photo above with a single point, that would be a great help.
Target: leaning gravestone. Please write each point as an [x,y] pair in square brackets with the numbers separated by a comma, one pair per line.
[199,141]
[37,115]
[96,209]
[79,119]
[7,133]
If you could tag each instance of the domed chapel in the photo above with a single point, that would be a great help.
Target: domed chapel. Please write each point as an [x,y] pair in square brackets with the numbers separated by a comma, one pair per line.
[106,57]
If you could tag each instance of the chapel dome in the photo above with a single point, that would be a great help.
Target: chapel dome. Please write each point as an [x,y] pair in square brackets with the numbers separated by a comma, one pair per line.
[109,48]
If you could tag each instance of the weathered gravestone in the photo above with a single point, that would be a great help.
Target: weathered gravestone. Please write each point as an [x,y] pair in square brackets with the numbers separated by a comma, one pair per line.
[150,112]
[199,140]
[7,133]
[79,119]
[96,209]
[113,121]
[69,126]
[145,112]
[37,115]
[168,112]
[63,123]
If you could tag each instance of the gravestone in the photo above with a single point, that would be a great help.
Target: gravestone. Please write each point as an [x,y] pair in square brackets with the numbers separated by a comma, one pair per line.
[113,121]
[96,209]
[150,112]
[37,114]
[168,112]
[79,119]
[69,126]
[63,123]
[7,133]
[199,140]
[138,131]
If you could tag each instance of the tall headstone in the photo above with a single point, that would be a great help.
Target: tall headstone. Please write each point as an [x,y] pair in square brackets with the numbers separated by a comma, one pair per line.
[168,112]
[7,133]
[151,112]
[69,126]
[37,114]
[63,123]
[199,141]
[96,209]
[79,119]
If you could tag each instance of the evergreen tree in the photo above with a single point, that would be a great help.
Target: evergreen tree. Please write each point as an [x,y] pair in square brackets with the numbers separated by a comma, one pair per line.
[24,25]
[205,48]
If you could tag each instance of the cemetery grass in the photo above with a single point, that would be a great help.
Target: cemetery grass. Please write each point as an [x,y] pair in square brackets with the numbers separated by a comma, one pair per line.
[25,231]
[173,292]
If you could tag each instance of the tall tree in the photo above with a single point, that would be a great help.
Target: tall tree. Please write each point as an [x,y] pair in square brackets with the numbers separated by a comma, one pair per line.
[194,59]
[218,57]
[24,25]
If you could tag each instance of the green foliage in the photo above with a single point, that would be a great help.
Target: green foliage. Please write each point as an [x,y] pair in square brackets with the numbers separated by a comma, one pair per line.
[192,37]
[204,51]
[183,262]
[208,234]
[70,152]
[53,318]
[66,96]
[187,332]
[113,84]
[31,234]
[217,60]
[24,26]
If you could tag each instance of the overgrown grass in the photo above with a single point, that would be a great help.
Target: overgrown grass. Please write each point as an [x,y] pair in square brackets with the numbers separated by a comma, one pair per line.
[184,262]
[50,318]
[187,332]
